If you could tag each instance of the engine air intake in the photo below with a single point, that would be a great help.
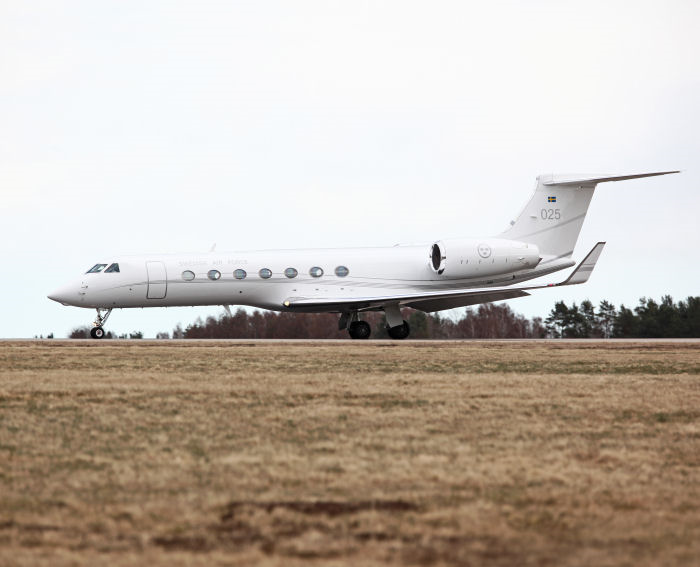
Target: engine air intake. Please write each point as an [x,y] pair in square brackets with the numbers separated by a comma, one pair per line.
[437,257]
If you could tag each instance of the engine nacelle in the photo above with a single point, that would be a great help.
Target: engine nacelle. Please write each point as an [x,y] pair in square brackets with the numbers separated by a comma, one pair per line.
[469,258]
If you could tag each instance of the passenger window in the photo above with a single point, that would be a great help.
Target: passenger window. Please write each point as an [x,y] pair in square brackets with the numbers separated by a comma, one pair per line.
[96,268]
[341,271]
[114,268]
[316,272]
[188,275]
[239,274]
[265,273]
[214,274]
[290,273]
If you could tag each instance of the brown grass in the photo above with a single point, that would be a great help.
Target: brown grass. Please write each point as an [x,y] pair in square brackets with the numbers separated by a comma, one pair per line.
[481,453]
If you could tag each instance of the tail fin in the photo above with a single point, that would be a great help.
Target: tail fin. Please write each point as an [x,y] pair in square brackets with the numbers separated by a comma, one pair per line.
[553,218]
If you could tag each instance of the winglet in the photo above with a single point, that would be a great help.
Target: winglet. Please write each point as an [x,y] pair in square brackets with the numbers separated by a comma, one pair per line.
[583,270]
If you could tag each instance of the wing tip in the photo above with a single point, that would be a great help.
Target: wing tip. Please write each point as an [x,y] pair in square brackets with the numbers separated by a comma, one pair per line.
[585,268]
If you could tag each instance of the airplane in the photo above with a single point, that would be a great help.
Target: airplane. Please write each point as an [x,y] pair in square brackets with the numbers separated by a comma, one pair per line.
[444,274]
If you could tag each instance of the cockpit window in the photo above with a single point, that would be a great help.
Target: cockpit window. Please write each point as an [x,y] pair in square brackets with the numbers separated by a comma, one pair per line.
[113,268]
[96,268]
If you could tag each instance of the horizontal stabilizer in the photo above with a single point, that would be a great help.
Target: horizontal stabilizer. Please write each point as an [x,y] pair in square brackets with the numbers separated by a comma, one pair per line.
[588,180]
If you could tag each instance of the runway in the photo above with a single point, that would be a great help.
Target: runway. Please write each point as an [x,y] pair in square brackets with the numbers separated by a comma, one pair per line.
[416,342]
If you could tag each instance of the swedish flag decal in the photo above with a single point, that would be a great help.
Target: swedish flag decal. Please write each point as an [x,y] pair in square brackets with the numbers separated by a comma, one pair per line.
[551,199]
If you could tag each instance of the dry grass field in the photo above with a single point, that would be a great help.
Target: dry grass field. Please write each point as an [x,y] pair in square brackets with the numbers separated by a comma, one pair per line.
[416,453]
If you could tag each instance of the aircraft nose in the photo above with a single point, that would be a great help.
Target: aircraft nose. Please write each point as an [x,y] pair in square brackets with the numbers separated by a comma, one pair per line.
[67,295]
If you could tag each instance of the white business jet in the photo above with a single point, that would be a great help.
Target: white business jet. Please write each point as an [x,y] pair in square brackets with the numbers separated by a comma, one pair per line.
[349,281]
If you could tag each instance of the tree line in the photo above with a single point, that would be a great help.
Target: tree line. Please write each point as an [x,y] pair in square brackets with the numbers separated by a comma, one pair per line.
[487,321]
[650,319]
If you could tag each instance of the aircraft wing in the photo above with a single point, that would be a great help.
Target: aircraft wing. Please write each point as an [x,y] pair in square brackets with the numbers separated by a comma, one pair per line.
[439,300]
[438,304]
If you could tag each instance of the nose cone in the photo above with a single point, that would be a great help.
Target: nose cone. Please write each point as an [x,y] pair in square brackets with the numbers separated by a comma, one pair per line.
[67,295]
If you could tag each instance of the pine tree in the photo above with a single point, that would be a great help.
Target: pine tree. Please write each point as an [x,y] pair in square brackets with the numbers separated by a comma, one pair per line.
[689,315]
[626,324]
[557,321]
[589,325]
[605,318]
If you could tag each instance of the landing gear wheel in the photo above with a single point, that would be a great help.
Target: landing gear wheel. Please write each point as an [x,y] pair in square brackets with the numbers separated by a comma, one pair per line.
[359,330]
[400,331]
[97,332]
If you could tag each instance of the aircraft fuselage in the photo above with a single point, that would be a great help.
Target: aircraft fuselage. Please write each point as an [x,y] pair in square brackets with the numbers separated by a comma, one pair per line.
[242,278]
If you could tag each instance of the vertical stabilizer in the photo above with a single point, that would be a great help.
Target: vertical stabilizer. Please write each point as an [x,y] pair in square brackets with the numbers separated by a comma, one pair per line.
[553,218]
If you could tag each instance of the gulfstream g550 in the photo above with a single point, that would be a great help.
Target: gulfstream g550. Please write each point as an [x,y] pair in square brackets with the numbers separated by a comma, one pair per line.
[349,281]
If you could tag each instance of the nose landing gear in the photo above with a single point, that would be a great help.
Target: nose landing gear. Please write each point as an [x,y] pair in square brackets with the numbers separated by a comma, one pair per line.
[97,332]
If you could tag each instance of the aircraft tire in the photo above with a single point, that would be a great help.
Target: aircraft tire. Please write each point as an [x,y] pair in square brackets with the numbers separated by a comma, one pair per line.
[97,332]
[359,330]
[399,332]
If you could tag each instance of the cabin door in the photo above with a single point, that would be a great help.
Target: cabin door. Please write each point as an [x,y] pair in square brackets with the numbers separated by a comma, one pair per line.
[157,280]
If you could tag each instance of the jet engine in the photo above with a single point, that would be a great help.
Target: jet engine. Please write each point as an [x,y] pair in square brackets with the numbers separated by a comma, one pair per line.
[469,258]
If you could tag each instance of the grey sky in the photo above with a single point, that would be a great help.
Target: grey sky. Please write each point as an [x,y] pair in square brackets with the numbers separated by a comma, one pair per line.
[130,127]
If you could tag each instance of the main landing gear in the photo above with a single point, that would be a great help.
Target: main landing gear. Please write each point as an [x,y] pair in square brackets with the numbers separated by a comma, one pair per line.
[356,328]
[97,332]
[400,331]
[396,327]
[361,330]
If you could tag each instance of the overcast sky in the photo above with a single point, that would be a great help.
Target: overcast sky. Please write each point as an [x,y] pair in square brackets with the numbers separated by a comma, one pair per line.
[129,127]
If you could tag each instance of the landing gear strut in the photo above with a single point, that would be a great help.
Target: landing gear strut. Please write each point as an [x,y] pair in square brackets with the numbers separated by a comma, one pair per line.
[97,332]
